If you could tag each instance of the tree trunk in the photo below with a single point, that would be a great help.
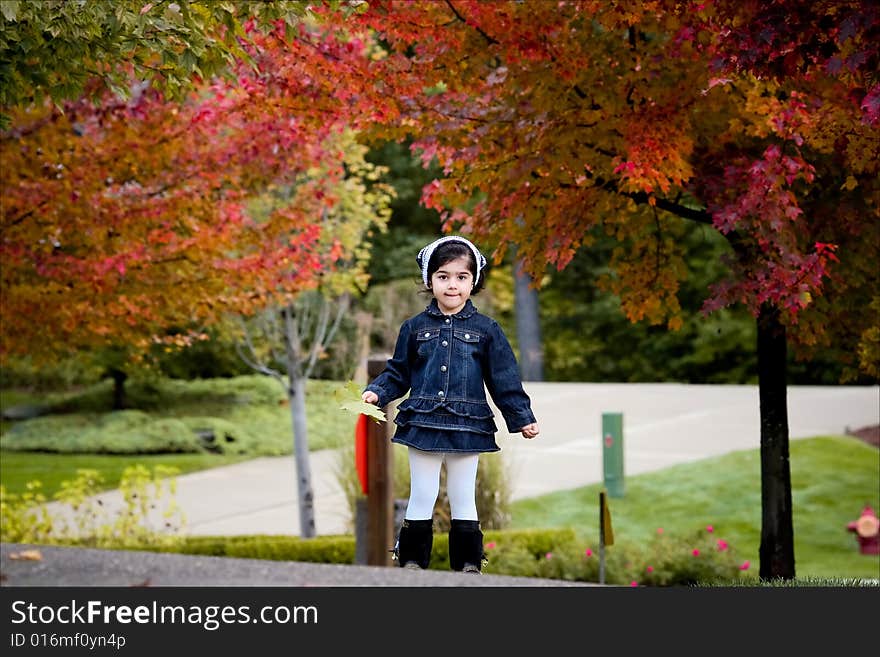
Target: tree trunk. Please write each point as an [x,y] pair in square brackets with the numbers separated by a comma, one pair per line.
[528,326]
[120,402]
[777,534]
[296,394]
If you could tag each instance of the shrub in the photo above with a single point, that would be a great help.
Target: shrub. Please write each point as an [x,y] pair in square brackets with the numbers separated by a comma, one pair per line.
[246,415]
[148,514]
[701,557]
[120,432]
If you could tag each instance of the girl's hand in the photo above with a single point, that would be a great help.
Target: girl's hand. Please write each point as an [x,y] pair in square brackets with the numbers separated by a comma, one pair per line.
[370,397]
[530,430]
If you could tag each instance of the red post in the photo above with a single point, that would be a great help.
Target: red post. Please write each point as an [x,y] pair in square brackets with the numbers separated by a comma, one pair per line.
[380,479]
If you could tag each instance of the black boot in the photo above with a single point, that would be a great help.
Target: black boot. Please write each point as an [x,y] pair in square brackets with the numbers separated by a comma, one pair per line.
[414,544]
[466,546]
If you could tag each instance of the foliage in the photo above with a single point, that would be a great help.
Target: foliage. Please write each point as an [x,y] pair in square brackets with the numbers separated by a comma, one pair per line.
[149,514]
[240,415]
[556,124]
[338,549]
[120,432]
[57,49]
[239,196]
[53,469]
[682,561]
[348,397]
[25,372]
[212,358]
[389,304]
[547,553]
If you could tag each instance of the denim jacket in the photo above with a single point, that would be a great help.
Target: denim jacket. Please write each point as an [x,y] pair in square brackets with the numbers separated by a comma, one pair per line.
[444,362]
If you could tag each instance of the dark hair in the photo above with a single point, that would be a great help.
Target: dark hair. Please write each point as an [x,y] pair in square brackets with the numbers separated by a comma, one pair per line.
[452,250]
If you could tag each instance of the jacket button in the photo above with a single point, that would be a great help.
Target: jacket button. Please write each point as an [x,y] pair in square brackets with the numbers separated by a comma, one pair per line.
[427,335]
[445,343]
[443,368]
[447,320]
[440,394]
[467,336]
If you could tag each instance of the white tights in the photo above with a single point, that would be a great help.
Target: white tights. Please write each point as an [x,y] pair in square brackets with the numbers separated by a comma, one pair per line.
[461,482]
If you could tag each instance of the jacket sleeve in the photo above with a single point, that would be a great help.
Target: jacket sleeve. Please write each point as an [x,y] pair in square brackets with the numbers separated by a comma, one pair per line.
[394,381]
[504,384]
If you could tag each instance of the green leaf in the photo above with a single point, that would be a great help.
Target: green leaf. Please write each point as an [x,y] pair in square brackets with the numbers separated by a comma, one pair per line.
[349,399]
[9,9]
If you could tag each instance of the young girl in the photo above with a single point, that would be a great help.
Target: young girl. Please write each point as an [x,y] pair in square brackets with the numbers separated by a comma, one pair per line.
[443,358]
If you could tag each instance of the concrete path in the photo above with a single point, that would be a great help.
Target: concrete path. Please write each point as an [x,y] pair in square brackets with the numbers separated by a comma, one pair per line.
[664,424]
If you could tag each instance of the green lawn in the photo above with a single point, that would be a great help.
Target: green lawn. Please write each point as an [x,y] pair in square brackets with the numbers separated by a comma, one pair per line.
[832,479]
[254,404]
[19,468]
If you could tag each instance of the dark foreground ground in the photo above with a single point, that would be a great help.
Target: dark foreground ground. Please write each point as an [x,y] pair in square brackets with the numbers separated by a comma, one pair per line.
[40,565]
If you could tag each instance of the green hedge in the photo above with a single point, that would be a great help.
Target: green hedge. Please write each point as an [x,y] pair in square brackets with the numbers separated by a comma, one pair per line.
[341,549]
[547,553]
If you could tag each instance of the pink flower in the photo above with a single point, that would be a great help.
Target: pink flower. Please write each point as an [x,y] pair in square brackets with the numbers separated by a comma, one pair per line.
[710,528]
[722,544]
[649,569]
[633,583]
[490,545]
[549,555]
[588,552]
[745,565]
[659,530]
[696,552]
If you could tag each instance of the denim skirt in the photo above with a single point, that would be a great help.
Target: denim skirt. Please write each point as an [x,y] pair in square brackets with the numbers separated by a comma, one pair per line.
[429,439]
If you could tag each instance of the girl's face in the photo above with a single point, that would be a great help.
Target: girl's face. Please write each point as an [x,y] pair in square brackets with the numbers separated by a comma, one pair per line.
[452,284]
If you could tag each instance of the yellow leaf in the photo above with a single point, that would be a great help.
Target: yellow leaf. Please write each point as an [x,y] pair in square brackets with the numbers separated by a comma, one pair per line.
[850,184]
[349,398]
[27,555]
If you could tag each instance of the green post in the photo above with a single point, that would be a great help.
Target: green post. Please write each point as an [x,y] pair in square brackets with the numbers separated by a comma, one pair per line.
[612,452]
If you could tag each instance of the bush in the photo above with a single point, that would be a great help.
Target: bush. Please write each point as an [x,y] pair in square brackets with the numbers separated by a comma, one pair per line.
[244,415]
[121,432]
[148,515]
[341,549]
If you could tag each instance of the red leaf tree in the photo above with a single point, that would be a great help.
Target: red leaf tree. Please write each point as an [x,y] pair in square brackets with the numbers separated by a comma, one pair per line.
[554,121]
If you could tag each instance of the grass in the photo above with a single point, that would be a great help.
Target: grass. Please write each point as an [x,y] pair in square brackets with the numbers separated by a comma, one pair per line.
[254,402]
[833,477]
[255,407]
[19,468]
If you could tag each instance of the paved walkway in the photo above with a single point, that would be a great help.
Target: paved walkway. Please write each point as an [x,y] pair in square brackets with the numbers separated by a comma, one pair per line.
[664,424]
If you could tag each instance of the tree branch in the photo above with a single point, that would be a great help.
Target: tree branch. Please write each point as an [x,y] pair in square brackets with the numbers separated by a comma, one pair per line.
[700,216]
[253,362]
[482,33]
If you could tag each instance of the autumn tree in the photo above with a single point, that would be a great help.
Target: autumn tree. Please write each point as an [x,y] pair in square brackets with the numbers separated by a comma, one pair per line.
[555,122]
[60,50]
[128,215]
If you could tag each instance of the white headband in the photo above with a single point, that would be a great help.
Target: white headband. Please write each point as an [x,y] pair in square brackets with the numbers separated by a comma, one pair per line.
[424,256]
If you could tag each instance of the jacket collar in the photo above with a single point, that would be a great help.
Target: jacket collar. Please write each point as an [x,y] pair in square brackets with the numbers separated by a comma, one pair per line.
[434,310]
